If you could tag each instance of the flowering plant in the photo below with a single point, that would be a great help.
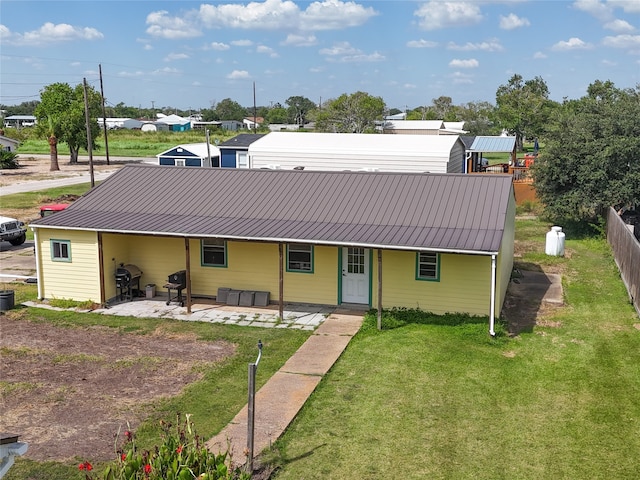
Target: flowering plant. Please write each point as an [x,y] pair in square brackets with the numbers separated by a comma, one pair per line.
[181,456]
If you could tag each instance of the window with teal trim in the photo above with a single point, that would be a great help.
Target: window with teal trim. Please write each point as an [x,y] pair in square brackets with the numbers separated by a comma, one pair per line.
[428,266]
[61,250]
[214,252]
[299,258]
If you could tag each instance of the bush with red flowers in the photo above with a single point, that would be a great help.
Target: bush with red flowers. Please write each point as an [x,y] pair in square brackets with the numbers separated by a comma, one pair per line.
[181,456]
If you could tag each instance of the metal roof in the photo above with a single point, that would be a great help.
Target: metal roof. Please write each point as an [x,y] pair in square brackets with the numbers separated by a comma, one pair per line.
[242,141]
[197,149]
[362,144]
[437,212]
[493,144]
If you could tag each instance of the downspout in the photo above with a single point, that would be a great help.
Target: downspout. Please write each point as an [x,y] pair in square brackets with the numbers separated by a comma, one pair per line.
[492,308]
[36,246]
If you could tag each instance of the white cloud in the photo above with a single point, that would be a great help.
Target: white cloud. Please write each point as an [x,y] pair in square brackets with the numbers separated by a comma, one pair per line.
[421,44]
[460,78]
[470,63]
[512,21]
[166,71]
[147,47]
[334,15]
[293,40]
[362,58]
[241,43]
[267,50]
[50,33]
[285,14]
[410,86]
[628,6]
[539,55]
[175,56]
[341,48]
[573,43]
[623,41]
[492,45]
[619,26]
[161,25]
[316,69]
[238,75]
[138,73]
[437,14]
[219,46]
[596,8]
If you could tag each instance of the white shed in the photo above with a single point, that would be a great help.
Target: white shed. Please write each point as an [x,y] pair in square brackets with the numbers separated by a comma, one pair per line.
[353,151]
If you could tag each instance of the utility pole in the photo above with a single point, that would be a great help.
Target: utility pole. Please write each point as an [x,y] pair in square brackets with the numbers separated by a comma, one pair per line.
[88,121]
[255,118]
[104,116]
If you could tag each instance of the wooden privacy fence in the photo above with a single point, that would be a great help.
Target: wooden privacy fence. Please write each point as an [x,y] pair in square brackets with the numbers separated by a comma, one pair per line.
[626,251]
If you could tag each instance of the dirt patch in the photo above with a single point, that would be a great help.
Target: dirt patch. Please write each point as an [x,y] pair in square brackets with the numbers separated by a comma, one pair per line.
[67,391]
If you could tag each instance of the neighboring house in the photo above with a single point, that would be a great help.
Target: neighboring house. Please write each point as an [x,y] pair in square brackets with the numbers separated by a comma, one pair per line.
[8,144]
[252,123]
[234,152]
[354,151]
[285,127]
[149,126]
[176,123]
[18,121]
[124,123]
[438,242]
[232,125]
[423,127]
[191,155]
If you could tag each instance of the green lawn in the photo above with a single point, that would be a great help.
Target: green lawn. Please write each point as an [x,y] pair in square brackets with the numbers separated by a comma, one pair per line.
[447,402]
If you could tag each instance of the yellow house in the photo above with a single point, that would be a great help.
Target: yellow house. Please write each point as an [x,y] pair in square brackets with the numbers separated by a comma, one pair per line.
[438,242]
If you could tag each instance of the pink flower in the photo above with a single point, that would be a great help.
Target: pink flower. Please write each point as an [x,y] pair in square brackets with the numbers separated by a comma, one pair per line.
[147,469]
[179,449]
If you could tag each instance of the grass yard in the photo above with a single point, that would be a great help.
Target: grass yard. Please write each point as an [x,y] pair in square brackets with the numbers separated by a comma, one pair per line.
[447,402]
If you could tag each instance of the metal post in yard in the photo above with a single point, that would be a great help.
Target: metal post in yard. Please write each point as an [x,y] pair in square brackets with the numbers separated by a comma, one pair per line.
[251,408]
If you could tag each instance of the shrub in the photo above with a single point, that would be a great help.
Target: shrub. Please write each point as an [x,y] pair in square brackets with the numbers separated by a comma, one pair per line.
[8,160]
[182,455]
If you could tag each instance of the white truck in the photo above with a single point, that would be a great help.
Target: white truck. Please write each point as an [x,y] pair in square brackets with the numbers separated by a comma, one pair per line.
[12,231]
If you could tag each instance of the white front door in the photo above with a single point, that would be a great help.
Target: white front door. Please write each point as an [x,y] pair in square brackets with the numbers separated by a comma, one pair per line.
[355,275]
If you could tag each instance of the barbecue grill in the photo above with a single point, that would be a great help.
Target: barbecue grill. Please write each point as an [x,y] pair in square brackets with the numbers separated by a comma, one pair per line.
[127,281]
[176,281]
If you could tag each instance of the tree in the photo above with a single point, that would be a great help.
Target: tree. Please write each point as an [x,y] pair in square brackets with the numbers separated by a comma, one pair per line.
[277,115]
[355,113]
[477,118]
[228,109]
[590,160]
[299,108]
[61,115]
[523,107]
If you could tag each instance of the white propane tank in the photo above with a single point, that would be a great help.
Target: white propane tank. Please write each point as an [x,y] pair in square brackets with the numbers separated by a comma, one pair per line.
[555,242]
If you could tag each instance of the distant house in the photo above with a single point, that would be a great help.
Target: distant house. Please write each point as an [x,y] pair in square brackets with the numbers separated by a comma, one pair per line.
[285,127]
[232,125]
[150,126]
[19,121]
[353,151]
[124,123]
[422,127]
[8,144]
[252,123]
[488,144]
[176,123]
[191,155]
[234,152]
[439,242]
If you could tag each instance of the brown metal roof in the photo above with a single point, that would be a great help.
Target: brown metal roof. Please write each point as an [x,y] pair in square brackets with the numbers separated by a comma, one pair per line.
[446,212]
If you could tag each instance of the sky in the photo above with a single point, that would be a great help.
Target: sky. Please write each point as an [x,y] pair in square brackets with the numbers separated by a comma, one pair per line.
[191,55]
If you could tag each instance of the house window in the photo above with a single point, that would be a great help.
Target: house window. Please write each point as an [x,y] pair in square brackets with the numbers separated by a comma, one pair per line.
[242,160]
[61,250]
[180,162]
[428,266]
[299,258]
[214,252]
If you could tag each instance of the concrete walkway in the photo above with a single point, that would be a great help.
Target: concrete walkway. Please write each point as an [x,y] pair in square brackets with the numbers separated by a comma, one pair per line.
[281,398]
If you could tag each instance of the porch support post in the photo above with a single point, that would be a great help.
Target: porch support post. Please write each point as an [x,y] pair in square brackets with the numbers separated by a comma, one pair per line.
[379,289]
[36,246]
[492,307]
[281,282]
[188,270]
[101,269]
